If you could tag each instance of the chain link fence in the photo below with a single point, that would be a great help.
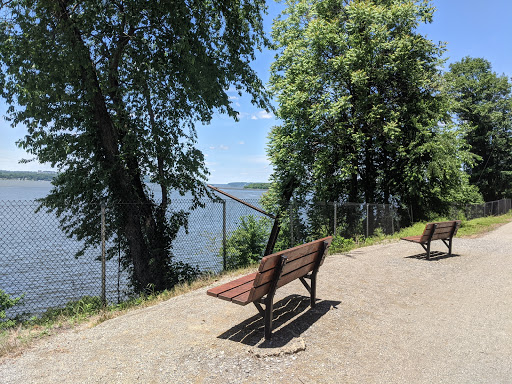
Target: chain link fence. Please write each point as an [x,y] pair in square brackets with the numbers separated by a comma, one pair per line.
[491,208]
[37,260]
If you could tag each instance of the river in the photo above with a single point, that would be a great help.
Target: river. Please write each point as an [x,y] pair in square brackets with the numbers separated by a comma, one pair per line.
[38,260]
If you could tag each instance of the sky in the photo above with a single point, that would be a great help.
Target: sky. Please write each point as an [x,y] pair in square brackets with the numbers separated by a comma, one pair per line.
[236,151]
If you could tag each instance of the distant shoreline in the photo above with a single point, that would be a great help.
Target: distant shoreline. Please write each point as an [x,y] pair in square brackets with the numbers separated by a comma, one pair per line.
[27,175]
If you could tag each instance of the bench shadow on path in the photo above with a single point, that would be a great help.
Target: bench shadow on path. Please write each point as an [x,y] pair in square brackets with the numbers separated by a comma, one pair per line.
[292,316]
[434,256]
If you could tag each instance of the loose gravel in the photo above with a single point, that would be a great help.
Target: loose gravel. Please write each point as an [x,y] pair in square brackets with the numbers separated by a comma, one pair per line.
[385,315]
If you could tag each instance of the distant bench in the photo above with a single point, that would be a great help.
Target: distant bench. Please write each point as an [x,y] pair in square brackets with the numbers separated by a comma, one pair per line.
[444,230]
[276,270]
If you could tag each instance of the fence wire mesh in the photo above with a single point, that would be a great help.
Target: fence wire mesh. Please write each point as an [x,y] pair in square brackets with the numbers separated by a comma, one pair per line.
[490,208]
[37,260]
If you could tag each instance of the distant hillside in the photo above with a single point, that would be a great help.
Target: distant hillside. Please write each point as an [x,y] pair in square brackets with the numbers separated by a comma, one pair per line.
[243,185]
[25,175]
[257,186]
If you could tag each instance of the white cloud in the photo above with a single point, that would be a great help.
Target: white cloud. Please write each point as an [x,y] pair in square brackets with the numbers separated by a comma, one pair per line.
[223,147]
[264,115]
[241,142]
[256,116]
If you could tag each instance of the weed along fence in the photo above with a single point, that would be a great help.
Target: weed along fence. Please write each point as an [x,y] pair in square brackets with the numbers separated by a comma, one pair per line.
[38,261]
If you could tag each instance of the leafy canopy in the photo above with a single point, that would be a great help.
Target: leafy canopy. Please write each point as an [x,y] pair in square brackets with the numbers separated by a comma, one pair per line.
[482,100]
[364,118]
[110,92]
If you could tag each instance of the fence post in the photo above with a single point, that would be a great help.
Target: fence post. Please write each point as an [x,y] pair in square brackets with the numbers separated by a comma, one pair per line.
[291,224]
[118,269]
[103,266]
[224,242]
[367,221]
[335,216]
[391,212]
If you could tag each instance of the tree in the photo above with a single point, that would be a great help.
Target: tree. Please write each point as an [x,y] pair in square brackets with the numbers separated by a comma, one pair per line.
[483,101]
[110,91]
[359,93]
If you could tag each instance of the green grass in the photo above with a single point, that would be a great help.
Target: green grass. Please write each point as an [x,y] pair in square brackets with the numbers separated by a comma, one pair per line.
[483,224]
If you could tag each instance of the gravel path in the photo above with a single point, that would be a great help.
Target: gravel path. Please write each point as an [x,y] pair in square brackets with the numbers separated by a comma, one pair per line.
[385,315]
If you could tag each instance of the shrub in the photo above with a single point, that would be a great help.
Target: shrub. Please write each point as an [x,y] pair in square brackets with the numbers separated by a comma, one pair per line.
[247,243]
[341,244]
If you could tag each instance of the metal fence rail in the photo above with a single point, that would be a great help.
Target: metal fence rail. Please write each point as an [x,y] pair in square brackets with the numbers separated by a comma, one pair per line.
[38,261]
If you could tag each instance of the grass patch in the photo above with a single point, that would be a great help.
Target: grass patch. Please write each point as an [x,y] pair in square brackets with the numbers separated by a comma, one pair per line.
[483,224]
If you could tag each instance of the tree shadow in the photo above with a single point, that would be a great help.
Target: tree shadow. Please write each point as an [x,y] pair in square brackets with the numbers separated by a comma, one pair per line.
[434,256]
[291,319]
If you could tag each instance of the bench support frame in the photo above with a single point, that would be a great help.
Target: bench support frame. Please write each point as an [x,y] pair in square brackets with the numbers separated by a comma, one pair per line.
[268,300]
[427,247]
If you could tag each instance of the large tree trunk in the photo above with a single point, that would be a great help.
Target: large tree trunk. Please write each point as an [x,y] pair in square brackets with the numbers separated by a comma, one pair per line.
[148,246]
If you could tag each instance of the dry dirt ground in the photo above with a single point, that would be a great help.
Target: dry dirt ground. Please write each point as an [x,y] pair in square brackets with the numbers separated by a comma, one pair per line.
[385,315]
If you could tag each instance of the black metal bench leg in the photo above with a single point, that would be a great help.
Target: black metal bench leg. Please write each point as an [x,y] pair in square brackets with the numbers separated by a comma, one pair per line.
[313,290]
[428,250]
[269,307]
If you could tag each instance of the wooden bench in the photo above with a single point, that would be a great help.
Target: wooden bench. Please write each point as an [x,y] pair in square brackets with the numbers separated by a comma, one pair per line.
[444,230]
[275,271]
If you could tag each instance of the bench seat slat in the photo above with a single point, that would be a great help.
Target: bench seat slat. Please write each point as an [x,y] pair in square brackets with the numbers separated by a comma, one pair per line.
[242,299]
[265,277]
[229,295]
[445,224]
[231,285]
[262,290]
[270,262]
[415,239]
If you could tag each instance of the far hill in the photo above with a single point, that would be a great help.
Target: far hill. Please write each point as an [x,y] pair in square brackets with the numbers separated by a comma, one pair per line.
[27,175]
[257,186]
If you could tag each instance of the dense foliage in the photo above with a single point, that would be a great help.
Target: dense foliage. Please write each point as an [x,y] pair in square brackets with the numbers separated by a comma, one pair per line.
[482,100]
[364,115]
[110,92]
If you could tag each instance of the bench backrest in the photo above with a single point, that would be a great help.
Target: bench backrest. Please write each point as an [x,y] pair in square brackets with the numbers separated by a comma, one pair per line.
[300,261]
[443,230]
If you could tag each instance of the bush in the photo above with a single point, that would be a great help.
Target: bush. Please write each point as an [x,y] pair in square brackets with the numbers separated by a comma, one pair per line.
[6,302]
[341,244]
[246,245]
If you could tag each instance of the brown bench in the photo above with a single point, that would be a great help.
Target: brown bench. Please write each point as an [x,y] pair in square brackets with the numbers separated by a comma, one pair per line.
[444,230]
[275,271]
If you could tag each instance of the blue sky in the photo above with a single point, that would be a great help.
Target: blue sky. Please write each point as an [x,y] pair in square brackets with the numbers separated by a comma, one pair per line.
[236,151]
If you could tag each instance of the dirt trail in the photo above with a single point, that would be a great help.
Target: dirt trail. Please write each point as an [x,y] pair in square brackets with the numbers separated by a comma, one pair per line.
[385,315]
